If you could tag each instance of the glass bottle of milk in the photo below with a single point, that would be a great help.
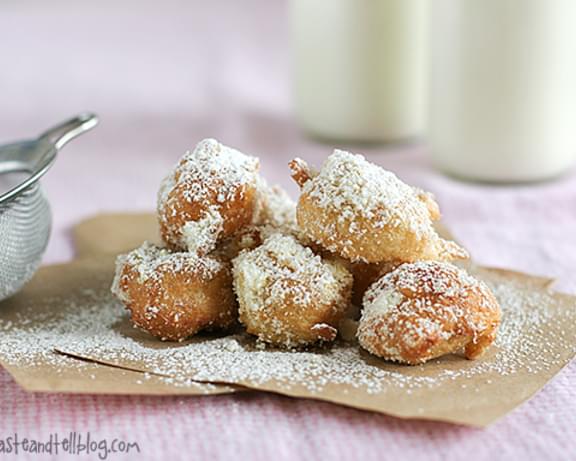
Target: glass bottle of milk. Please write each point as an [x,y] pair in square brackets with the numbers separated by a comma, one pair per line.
[359,68]
[502,88]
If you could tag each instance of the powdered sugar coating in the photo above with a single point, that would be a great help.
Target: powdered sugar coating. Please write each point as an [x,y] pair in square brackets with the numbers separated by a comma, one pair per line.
[286,292]
[276,214]
[148,258]
[211,162]
[349,183]
[533,330]
[364,213]
[201,237]
[426,309]
[276,208]
[174,295]
[213,178]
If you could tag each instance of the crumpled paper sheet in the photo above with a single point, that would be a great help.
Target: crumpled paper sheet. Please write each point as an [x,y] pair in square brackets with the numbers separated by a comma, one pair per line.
[475,399]
[39,302]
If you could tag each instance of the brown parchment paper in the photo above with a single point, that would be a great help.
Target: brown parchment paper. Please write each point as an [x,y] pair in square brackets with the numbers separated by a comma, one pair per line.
[114,233]
[463,395]
[40,302]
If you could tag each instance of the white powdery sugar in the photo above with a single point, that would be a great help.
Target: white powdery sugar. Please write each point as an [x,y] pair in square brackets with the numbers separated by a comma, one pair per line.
[278,209]
[202,236]
[428,277]
[431,293]
[212,163]
[166,187]
[90,329]
[288,270]
[149,261]
[212,174]
[88,316]
[352,187]
[386,301]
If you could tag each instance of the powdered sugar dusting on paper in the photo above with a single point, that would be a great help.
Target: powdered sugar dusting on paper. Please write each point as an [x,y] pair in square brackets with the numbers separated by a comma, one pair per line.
[90,329]
[28,342]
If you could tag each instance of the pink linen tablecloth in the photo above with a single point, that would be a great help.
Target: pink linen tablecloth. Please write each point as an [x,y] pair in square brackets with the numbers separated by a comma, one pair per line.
[162,77]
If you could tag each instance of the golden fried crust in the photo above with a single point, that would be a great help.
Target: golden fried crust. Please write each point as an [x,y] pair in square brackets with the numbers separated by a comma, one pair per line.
[247,238]
[301,172]
[428,199]
[365,274]
[290,323]
[275,207]
[366,214]
[424,310]
[210,195]
[236,212]
[175,301]
[275,214]
[361,240]
[288,296]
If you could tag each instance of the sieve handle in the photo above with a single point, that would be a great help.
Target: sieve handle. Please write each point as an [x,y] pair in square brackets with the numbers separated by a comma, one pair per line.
[68,130]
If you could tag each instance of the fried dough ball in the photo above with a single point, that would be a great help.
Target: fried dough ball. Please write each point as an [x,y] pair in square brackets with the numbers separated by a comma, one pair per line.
[175,295]
[365,274]
[247,238]
[289,296]
[276,208]
[276,215]
[423,310]
[210,195]
[364,213]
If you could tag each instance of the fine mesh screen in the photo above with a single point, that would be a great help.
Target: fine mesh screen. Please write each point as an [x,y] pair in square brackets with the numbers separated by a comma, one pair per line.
[24,230]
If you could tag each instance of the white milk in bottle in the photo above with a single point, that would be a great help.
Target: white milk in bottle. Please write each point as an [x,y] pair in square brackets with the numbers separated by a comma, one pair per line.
[502,88]
[359,68]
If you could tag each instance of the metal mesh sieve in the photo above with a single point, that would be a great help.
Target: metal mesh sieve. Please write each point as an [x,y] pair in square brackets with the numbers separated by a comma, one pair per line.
[25,218]
[24,230]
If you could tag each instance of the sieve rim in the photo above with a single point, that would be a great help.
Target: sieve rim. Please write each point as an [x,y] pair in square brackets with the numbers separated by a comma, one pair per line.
[54,139]
[33,178]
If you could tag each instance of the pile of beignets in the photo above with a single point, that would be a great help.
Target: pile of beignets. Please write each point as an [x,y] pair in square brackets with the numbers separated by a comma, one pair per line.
[357,255]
